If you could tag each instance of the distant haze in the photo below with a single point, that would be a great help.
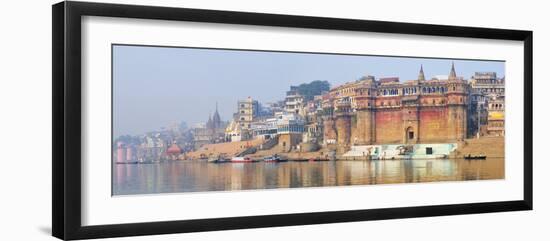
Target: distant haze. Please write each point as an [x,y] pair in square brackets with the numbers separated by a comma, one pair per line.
[154,87]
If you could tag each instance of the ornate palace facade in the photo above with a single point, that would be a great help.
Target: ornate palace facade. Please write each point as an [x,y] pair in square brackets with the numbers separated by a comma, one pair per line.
[370,111]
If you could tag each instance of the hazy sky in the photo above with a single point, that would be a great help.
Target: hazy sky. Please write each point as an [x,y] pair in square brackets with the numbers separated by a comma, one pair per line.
[156,86]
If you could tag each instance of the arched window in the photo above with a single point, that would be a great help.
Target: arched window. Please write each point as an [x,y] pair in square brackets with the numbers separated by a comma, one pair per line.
[423,89]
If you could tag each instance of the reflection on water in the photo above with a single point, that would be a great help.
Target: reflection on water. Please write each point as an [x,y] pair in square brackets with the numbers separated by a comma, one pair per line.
[192,176]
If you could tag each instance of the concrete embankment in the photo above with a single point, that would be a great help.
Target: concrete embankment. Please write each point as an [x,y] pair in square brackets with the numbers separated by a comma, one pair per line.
[491,147]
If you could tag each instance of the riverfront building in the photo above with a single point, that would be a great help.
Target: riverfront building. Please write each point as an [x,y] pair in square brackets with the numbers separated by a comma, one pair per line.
[495,116]
[487,104]
[247,110]
[370,111]
[290,128]
[294,102]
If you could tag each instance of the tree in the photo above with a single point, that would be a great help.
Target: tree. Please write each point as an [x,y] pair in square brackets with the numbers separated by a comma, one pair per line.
[316,87]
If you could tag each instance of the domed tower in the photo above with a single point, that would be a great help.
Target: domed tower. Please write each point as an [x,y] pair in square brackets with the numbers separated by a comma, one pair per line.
[173,151]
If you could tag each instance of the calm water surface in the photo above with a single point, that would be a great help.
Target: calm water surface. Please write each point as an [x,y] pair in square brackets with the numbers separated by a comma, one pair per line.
[193,176]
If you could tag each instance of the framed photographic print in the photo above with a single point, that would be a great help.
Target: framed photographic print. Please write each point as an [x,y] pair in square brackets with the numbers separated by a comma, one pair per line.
[170,120]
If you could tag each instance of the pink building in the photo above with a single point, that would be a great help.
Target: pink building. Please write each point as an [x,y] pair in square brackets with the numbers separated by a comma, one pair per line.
[129,153]
[121,152]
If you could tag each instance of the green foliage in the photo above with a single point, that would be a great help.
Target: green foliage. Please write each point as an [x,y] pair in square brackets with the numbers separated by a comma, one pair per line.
[316,87]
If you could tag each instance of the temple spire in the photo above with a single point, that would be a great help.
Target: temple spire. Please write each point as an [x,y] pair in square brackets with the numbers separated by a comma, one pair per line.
[452,75]
[216,119]
[421,76]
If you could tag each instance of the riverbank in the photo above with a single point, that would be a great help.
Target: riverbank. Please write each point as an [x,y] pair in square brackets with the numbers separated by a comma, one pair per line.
[491,147]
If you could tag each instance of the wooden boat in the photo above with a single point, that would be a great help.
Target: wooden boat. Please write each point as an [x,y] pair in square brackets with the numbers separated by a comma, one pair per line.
[475,157]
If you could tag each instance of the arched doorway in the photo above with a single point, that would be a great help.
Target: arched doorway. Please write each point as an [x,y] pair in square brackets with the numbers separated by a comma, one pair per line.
[409,134]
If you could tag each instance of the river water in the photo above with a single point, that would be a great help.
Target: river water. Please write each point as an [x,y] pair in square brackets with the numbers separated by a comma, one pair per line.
[194,176]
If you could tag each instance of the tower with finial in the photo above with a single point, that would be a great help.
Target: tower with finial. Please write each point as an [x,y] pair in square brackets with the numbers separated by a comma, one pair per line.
[452,75]
[421,76]
[216,119]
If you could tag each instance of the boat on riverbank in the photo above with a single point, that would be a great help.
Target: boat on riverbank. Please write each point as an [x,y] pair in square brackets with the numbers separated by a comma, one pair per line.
[128,162]
[475,157]
[218,159]
[274,158]
[241,159]
[312,159]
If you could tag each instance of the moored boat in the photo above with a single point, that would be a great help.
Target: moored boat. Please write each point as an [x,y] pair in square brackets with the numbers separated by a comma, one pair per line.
[274,158]
[218,159]
[241,159]
[128,162]
[475,157]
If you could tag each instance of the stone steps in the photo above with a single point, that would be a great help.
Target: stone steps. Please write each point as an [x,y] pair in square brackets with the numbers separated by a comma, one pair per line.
[490,146]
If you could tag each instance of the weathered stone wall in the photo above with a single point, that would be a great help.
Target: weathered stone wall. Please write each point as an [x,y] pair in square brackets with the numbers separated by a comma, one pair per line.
[329,129]
[363,133]
[457,122]
[343,131]
[429,124]
[388,125]
[434,124]
[288,142]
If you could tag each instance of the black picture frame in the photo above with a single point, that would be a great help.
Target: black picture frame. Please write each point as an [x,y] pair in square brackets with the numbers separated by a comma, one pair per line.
[66,75]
